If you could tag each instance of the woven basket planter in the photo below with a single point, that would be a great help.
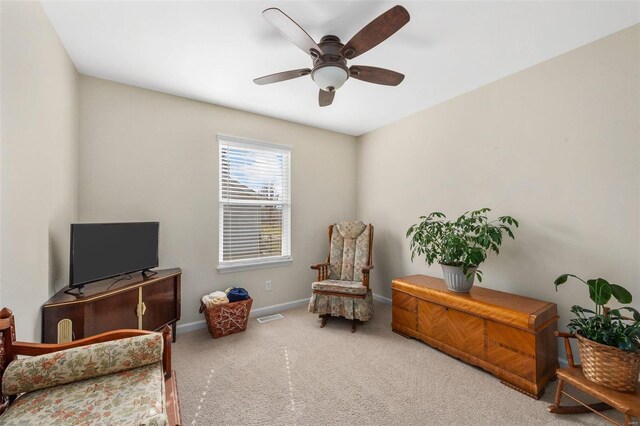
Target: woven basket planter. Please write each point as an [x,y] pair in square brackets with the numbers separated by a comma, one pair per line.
[227,318]
[609,366]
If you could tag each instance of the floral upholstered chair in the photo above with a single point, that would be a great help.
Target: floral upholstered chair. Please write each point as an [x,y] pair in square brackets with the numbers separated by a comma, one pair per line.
[121,377]
[342,286]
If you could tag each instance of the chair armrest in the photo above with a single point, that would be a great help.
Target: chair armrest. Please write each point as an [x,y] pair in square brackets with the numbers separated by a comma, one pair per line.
[365,275]
[567,346]
[319,265]
[323,270]
[34,349]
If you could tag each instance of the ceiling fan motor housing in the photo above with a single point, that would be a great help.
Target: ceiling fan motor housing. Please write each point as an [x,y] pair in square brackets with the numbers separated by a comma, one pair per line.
[330,69]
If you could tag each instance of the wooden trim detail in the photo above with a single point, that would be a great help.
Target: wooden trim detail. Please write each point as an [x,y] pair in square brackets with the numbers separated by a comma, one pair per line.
[83,299]
[34,349]
[166,353]
[171,397]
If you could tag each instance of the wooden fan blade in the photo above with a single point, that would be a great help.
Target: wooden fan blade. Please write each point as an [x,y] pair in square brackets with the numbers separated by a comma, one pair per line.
[325,98]
[376,75]
[291,30]
[377,31]
[282,76]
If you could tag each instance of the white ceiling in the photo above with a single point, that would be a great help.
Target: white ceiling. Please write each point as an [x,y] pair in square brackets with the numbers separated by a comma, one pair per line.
[211,51]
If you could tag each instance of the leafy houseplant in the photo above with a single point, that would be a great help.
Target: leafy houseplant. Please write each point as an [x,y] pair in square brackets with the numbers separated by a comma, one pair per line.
[604,325]
[460,245]
[609,342]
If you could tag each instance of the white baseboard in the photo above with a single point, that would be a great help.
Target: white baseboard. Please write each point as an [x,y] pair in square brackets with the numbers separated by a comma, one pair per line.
[258,312]
[381,299]
[274,309]
[190,326]
[267,310]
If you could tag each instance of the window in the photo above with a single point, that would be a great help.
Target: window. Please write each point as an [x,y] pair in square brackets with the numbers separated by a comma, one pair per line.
[255,204]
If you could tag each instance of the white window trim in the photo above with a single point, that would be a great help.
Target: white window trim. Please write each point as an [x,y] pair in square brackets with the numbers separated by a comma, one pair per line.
[247,265]
[259,263]
[254,142]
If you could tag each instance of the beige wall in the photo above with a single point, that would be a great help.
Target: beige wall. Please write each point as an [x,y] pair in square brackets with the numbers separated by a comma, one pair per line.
[38,163]
[151,156]
[557,146]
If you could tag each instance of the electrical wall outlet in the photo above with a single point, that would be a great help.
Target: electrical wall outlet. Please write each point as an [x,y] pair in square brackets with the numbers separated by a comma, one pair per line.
[267,285]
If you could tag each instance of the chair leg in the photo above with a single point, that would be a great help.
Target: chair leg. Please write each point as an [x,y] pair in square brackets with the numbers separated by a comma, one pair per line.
[353,325]
[324,317]
[559,393]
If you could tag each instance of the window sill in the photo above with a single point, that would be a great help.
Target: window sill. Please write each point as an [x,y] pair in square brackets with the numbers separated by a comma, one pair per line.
[237,266]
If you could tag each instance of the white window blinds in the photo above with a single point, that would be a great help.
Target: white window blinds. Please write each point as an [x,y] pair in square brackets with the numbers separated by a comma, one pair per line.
[255,202]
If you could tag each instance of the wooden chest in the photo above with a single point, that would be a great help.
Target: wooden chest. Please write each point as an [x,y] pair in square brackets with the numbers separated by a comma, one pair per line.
[507,335]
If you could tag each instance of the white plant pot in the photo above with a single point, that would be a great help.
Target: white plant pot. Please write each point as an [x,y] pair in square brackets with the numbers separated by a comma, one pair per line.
[456,280]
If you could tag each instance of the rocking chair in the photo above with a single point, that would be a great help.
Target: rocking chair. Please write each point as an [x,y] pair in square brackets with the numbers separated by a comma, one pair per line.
[342,285]
[626,403]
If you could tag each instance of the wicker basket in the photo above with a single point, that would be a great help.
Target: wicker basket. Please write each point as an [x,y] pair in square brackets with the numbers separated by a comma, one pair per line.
[609,366]
[227,318]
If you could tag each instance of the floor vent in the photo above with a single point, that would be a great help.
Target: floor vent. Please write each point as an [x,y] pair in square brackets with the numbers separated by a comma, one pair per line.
[268,318]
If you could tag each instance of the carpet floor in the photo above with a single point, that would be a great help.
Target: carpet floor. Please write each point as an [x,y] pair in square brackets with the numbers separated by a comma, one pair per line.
[291,372]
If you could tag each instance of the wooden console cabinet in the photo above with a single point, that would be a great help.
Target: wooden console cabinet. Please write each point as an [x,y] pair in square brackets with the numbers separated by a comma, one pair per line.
[140,303]
[507,335]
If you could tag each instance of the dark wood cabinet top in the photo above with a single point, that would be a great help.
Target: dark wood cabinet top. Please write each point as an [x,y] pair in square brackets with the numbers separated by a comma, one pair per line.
[105,288]
[520,311]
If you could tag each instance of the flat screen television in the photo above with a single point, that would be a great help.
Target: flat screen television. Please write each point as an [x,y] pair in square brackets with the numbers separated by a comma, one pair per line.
[105,250]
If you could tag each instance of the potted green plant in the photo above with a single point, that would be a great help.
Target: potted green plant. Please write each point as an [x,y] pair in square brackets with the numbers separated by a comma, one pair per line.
[460,245]
[609,342]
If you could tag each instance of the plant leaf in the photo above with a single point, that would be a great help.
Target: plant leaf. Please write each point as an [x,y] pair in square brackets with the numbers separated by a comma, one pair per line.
[634,312]
[561,280]
[599,291]
[581,309]
[621,294]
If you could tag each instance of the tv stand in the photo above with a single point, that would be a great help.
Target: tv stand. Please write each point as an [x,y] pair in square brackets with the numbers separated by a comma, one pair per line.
[146,302]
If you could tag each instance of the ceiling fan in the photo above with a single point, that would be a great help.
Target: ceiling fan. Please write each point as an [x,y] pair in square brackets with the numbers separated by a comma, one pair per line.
[330,56]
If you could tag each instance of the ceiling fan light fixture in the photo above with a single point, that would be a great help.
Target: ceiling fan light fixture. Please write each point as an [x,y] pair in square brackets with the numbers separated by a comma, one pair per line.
[329,77]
